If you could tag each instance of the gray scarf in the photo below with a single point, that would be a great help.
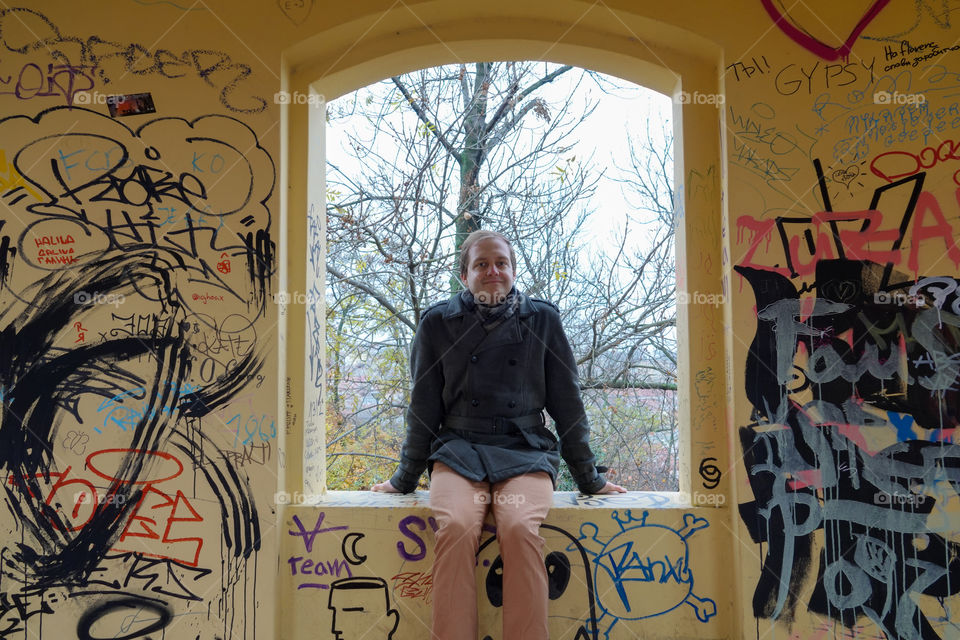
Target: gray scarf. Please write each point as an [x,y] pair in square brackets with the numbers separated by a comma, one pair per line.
[492,316]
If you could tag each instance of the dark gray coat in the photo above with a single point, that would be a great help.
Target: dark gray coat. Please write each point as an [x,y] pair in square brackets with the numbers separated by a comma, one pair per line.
[521,367]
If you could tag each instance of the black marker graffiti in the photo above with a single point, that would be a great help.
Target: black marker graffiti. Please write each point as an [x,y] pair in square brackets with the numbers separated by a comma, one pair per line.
[7,253]
[710,473]
[145,616]
[171,184]
[361,608]
[140,218]
[98,59]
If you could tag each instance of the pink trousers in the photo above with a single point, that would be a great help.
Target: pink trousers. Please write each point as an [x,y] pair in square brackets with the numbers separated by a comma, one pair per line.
[459,506]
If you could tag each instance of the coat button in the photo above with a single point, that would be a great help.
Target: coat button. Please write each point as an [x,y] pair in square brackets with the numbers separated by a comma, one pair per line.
[512,404]
[475,403]
[474,358]
[513,362]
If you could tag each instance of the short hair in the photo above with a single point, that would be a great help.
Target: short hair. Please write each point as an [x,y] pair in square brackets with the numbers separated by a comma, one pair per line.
[477,236]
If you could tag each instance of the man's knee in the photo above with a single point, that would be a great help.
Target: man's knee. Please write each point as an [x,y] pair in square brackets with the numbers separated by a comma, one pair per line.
[459,526]
[518,529]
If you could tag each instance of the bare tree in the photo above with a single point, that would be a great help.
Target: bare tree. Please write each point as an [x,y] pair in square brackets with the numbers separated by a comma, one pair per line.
[641,336]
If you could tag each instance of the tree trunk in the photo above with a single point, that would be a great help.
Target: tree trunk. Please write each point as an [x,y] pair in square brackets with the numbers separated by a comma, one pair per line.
[471,158]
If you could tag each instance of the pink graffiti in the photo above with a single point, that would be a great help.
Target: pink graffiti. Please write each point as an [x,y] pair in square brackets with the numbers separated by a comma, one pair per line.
[861,235]
[815,46]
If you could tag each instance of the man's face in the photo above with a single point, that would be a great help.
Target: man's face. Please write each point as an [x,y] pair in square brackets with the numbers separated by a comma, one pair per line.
[362,613]
[489,274]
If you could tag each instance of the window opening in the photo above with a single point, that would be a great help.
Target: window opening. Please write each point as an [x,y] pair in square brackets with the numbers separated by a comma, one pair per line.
[576,168]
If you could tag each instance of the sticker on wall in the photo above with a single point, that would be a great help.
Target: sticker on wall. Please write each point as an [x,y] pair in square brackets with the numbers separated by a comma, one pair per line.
[296,10]
[130,105]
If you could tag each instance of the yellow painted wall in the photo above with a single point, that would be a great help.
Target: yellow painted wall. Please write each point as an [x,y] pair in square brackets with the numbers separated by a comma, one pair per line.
[155,395]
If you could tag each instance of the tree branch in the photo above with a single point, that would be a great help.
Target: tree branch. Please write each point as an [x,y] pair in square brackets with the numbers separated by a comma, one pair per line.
[373,294]
[663,386]
[431,127]
[550,77]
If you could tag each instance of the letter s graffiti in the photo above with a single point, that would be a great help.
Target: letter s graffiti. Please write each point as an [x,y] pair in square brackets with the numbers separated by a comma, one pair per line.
[421,552]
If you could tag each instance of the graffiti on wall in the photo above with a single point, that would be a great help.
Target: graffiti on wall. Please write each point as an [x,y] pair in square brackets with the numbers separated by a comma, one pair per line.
[852,377]
[296,11]
[611,573]
[125,446]
[80,64]
[922,12]
[801,33]
[644,570]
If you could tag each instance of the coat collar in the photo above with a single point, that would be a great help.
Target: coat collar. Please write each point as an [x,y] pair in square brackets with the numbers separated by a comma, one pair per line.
[455,307]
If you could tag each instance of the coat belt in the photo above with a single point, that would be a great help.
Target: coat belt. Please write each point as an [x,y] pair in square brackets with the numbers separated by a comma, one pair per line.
[495,425]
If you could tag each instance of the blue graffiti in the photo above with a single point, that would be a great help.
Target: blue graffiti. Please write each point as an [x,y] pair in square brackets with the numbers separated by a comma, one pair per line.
[904,426]
[128,414]
[647,566]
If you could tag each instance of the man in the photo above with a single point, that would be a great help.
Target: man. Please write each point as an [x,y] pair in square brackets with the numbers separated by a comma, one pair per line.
[485,365]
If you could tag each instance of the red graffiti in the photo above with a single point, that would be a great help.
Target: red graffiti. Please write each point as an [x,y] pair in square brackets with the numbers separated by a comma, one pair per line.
[413,584]
[893,165]
[157,510]
[158,516]
[802,35]
[52,250]
[81,332]
[173,467]
[84,493]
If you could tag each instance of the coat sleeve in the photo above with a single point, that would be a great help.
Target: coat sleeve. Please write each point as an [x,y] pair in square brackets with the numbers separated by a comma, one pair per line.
[565,406]
[425,411]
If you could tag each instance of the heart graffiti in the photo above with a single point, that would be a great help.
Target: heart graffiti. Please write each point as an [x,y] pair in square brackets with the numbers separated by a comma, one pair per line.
[814,45]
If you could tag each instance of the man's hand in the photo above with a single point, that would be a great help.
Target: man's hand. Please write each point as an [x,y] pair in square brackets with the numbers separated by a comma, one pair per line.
[386,487]
[611,488]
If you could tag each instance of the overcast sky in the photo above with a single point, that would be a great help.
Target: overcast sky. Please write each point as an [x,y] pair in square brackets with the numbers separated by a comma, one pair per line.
[622,107]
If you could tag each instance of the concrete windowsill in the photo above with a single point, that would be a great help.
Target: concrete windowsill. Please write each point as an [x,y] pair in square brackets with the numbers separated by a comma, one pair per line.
[561,500]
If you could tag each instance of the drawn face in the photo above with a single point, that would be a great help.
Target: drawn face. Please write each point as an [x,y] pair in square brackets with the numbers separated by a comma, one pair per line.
[361,610]
[489,274]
